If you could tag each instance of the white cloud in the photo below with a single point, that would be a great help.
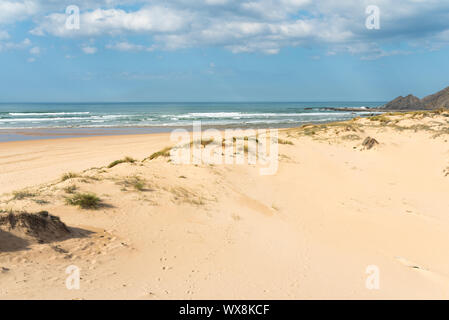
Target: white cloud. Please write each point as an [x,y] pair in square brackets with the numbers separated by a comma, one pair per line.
[115,21]
[4,35]
[15,45]
[35,51]
[89,50]
[264,26]
[126,46]
[11,11]
[367,51]
[273,10]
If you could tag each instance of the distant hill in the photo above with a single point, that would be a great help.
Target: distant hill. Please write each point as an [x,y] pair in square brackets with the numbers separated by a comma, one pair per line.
[437,100]
[410,102]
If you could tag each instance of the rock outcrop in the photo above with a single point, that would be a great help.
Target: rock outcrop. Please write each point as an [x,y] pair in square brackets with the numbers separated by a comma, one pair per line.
[411,102]
[437,100]
[369,143]
[401,103]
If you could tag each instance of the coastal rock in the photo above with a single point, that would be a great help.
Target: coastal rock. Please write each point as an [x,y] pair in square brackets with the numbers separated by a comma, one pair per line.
[411,102]
[404,103]
[369,143]
[437,100]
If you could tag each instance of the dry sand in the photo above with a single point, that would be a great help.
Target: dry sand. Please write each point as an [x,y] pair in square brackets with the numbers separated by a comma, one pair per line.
[224,231]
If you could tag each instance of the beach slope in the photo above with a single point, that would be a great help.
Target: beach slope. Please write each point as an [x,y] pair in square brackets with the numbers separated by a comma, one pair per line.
[350,201]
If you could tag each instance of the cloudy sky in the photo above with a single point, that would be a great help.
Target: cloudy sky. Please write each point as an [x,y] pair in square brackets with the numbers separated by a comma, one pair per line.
[226,50]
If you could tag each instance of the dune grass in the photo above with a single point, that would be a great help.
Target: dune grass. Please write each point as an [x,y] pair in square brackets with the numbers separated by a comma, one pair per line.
[161,153]
[70,189]
[124,160]
[351,137]
[22,194]
[283,141]
[69,175]
[184,195]
[41,201]
[84,200]
[134,182]
[138,184]
[205,142]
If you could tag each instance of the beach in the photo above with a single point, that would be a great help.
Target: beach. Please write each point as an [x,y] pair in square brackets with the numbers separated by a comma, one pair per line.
[336,209]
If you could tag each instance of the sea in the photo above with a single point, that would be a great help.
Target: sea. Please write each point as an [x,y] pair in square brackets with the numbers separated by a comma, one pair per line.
[52,120]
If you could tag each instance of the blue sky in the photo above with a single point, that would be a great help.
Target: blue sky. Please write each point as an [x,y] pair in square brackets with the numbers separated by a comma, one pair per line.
[221,50]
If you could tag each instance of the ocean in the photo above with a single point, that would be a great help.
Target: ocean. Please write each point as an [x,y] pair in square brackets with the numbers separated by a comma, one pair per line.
[17,120]
[98,115]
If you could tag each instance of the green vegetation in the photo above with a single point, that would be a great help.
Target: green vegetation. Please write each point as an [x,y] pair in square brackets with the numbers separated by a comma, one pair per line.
[204,143]
[134,182]
[139,185]
[84,201]
[351,137]
[234,139]
[382,118]
[282,141]
[69,175]
[182,194]
[70,189]
[162,153]
[124,160]
[41,201]
[22,194]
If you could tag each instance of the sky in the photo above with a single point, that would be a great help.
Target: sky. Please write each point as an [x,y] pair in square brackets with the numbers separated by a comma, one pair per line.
[222,50]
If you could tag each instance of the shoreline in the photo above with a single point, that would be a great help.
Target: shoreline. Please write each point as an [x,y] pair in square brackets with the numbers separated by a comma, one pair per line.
[36,134]
[67,133]
[98,146]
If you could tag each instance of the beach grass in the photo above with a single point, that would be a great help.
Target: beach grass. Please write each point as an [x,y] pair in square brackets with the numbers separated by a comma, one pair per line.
[134,182]
[283,141]
[70,189]
[161,153]
[84,200]
[69,175]
[124,160]
[22,194]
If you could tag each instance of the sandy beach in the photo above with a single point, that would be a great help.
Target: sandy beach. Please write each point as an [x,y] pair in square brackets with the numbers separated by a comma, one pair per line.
[334,208]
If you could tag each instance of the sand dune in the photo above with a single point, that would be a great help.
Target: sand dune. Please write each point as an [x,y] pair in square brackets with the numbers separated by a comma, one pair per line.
[167,231]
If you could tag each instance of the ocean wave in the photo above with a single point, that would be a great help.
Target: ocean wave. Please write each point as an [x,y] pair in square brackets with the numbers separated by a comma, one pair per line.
[165,116]
[41,119]
[19,114]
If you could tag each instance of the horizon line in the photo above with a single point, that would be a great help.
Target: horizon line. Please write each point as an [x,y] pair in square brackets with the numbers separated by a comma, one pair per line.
[181,101]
